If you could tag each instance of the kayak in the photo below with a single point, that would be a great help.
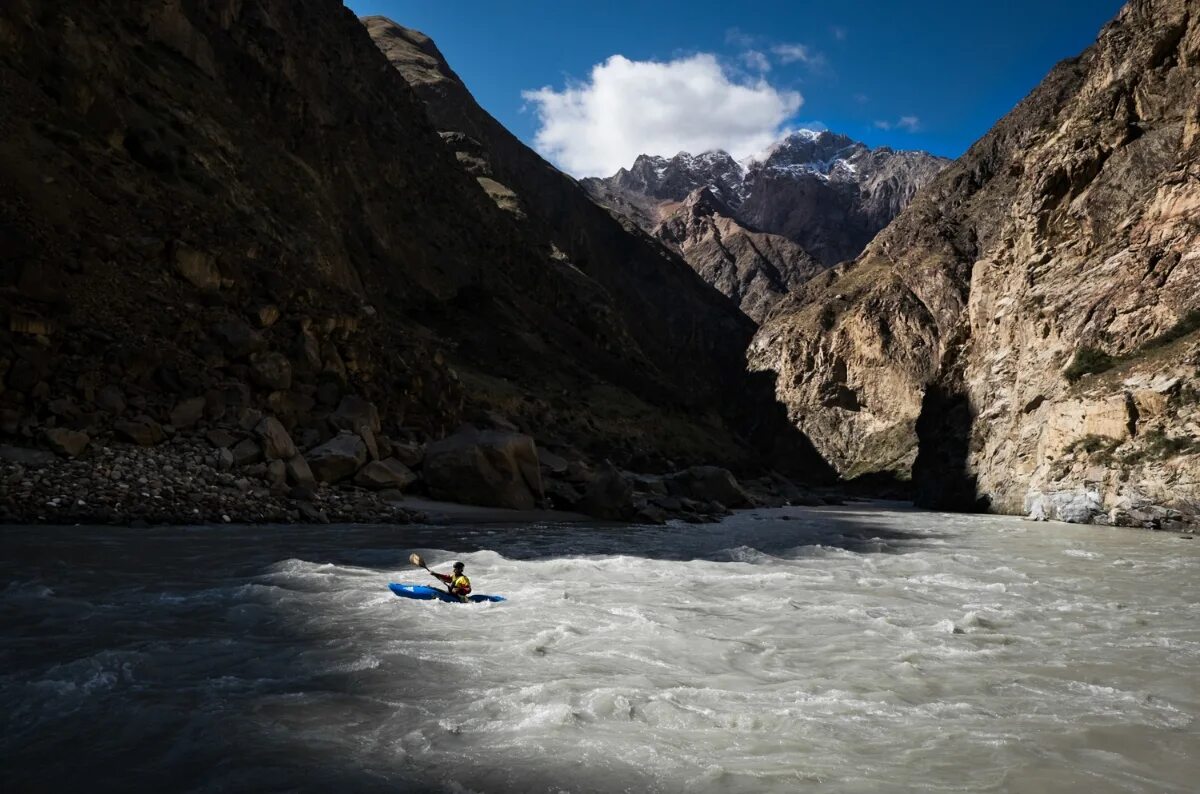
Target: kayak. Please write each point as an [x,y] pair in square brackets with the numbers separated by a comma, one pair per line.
[425,593]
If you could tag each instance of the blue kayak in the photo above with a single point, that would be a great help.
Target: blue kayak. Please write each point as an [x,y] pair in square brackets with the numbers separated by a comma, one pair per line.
[424,593]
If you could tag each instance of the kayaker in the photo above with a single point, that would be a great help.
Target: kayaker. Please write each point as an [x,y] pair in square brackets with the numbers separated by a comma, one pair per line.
[457,584]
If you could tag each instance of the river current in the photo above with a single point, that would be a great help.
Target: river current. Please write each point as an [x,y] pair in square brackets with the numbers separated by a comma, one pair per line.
[853,649]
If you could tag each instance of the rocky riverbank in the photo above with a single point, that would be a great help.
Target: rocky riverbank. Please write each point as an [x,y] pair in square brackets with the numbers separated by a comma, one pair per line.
[344,469]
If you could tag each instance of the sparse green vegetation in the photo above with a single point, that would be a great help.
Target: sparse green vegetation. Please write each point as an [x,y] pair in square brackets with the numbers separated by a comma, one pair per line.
[1157,445]
[1090,360]
[1099,447]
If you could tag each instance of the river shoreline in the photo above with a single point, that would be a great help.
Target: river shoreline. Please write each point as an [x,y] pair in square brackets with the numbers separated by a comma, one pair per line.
[182,482]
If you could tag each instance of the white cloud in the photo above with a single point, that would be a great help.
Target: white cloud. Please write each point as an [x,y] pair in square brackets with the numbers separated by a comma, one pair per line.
[756,60]
[627,108]
[907,123]
[838,32]
[791,53]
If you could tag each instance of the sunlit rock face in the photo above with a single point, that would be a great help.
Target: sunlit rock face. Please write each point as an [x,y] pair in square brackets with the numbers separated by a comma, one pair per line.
[759,228]
[1026,319]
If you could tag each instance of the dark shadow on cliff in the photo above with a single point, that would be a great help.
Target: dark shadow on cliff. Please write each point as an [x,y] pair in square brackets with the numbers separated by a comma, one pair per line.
[758,415]
[941,478]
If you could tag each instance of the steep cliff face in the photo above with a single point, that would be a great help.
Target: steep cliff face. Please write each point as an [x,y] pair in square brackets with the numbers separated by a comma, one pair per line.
[686,328]
[753,268]
[1028,319]
[242,201]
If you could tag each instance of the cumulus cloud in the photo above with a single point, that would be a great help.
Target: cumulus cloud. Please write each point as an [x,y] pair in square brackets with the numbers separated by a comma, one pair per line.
[907,123]
[627,108]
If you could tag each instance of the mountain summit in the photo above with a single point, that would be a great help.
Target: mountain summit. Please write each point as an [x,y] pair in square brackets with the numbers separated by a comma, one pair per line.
[821,195]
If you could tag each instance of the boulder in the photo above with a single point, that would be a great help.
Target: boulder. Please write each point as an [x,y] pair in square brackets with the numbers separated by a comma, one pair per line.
[267,315]
[111,399]
[224,459]
[276,443]
[354,413]
[1080,506]
[188,412]
[246,452]
[271,370]
[311,513]
[608,495]
[380,474]
[141,430]
[340,457]
[197,267]
[410,455]
[555,464]
[69,443]
[562,495]
[277,475]
[238,339]
[708,483]
[491,468]
[299,473]
[368,438]
[221,438]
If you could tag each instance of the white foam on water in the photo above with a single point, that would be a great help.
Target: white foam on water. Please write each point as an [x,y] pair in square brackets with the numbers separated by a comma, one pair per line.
[843,650]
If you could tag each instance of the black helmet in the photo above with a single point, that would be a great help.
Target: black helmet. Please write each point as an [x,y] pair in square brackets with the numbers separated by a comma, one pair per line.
[458,566]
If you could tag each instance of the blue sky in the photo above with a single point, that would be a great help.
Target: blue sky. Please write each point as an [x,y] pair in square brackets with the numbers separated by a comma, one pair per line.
[931,75]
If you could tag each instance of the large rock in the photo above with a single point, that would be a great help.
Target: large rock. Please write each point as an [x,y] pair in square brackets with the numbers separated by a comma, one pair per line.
[381,474]
[489,467]
[354,413]
[188,412]
[608,495]
[276,443]
[197,267]
[238,339]
[411,455]
[299,472]
[706,484]
[70,443]
[337,459]
[111,399]
[246,452]
[141,430]
[271,370]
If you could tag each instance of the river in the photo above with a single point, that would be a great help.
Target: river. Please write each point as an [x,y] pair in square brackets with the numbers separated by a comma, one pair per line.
[853,649]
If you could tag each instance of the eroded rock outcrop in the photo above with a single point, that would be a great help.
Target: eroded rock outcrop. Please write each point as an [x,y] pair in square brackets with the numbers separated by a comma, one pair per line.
[753,268]
[1016,315]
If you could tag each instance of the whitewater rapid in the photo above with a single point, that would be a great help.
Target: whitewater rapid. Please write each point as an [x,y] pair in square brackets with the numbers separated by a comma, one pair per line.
[855,649]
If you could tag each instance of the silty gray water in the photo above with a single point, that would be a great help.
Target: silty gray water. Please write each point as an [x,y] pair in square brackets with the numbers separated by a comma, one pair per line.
[848,649]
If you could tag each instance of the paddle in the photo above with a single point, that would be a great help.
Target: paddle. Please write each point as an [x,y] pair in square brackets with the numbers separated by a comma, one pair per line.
[415,559]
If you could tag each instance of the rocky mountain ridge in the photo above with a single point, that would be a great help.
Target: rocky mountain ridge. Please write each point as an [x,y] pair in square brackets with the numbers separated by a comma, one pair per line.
[1023,337]
[825,193]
